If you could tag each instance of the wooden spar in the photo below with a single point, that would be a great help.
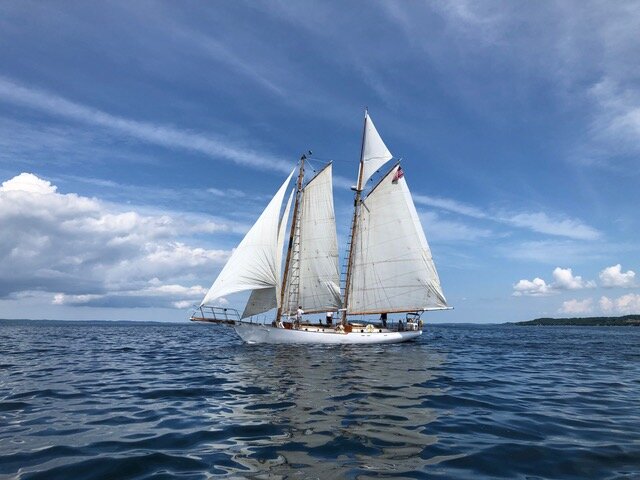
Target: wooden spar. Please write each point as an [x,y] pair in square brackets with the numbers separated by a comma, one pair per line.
[403,310]
[356,211]
[294,219]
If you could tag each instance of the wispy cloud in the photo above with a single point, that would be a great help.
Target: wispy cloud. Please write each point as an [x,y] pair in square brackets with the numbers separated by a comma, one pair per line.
[442,230]
[562,227]
[539,222]
[450,205]
[148,132]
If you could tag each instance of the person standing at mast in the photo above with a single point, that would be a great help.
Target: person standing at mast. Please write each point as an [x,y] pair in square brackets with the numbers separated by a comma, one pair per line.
[299,314]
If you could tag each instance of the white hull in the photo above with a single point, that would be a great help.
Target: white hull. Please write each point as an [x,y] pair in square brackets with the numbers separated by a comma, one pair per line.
[256,333]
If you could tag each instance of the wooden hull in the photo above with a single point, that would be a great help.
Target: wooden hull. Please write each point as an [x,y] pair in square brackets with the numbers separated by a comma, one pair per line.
[256,333]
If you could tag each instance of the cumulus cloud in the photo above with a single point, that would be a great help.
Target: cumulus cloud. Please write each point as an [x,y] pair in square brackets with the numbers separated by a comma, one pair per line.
[28,182]
[86,252]
[614,277]
[563,279]
[626,304]
[532,288]
[574,306]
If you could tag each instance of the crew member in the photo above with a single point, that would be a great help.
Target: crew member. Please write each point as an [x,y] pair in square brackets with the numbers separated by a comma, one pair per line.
[299,314]
[329,318]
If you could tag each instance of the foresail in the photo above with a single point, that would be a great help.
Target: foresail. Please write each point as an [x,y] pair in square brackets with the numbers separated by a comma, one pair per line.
[264,299]
[254,263]
[260,301]
[319,288]
[392,268]
[374,152]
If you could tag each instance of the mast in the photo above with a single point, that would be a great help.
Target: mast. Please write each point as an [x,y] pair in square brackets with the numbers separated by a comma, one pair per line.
[356,211]
[294,219]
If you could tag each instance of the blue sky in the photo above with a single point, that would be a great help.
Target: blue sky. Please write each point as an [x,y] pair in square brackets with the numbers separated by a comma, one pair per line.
[150,135]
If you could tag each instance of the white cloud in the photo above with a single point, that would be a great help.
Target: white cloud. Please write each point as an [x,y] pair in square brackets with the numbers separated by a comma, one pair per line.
[626,304]
[86,252]
[606,304]
[563,279]
[614,277]
[145,131]
[574,306]
[27,182]
[532,288]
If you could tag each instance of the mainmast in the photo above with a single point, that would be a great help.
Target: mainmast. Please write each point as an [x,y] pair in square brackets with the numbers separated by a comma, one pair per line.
[354,222]
[294,220]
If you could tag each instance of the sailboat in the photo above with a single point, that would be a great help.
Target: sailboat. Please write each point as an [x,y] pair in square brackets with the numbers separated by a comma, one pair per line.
[389,268]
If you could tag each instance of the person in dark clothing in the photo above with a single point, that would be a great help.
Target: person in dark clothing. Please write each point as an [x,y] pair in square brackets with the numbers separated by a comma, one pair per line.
[329,318]
[383,319]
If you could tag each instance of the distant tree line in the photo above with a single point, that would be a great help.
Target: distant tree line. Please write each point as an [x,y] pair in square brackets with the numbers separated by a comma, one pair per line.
[624,321]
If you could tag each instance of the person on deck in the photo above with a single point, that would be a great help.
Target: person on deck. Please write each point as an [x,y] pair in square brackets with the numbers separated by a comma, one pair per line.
[383,319]
[299,314]
[329,318]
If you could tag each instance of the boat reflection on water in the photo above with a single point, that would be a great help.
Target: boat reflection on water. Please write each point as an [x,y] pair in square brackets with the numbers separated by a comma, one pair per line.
[329,412]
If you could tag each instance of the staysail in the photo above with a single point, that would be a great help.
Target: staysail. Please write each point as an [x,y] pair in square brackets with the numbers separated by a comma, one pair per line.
[264,299]
[318,268]
[392,269]
[374,152]
[255,263]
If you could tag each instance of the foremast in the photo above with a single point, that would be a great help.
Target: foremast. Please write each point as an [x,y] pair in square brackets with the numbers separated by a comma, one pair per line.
[354,222]
[294,220]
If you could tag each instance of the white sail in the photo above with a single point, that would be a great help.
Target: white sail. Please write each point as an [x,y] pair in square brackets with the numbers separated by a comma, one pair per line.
[392,268]
[264,299]
[254,264]
[319,274]
[374,152]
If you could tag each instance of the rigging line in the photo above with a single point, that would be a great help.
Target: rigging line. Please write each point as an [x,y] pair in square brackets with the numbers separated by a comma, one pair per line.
[313,163]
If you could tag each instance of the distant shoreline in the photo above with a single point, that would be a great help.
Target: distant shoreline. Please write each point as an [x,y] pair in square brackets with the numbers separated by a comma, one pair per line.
[624,321]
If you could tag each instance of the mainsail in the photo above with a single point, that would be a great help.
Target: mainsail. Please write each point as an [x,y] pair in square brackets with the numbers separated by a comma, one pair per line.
[317,283]
[255,263]
[392,268]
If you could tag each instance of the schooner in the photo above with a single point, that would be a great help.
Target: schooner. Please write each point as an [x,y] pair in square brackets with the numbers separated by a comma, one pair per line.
[389,267]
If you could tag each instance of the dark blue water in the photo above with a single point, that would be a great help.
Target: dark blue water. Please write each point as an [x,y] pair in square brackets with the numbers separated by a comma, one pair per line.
[190,401]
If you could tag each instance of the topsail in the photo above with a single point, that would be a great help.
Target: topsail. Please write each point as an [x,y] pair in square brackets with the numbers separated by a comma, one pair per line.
[374,152]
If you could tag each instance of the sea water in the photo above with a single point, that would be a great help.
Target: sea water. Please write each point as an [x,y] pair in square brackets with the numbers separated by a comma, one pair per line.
[98,400]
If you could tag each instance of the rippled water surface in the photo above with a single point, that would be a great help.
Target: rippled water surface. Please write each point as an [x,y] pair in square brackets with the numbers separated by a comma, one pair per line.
[82,400]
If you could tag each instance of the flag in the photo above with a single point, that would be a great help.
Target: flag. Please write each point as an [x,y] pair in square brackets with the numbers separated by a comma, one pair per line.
[398,175]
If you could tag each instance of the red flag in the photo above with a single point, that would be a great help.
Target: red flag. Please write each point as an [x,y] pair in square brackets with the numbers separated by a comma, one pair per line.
[398,175]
